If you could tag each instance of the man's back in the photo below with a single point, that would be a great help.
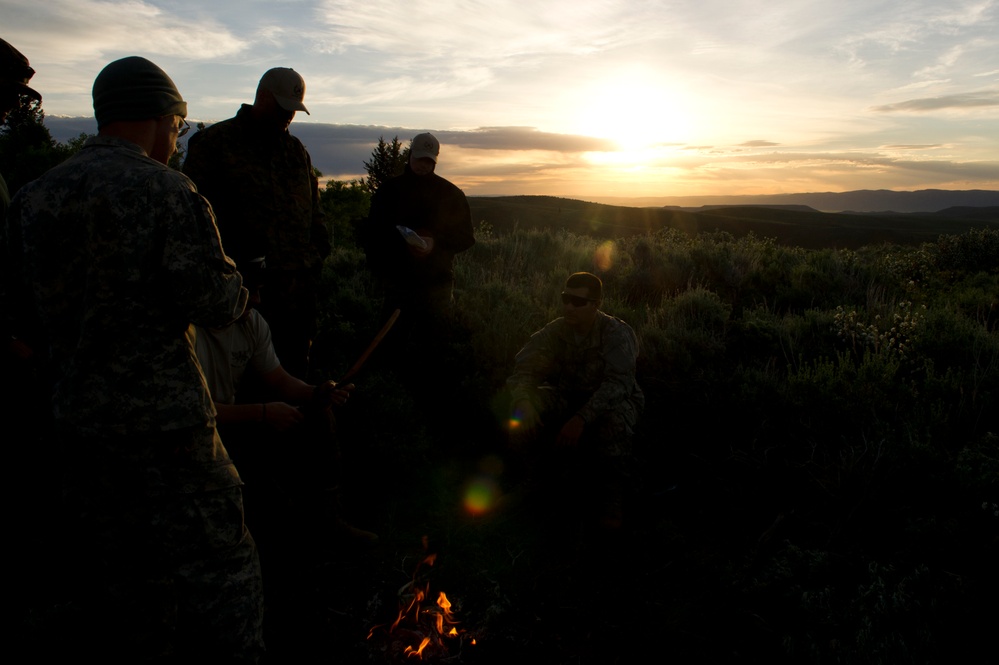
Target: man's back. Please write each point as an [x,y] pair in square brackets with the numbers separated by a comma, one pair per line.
[119,255]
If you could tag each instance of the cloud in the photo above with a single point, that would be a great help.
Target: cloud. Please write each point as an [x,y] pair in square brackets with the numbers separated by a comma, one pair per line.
[481,31]
[958,101]
[85,32]
[525,138]
[758,144]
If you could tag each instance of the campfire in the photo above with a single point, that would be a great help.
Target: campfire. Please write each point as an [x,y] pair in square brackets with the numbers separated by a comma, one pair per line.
[425,628]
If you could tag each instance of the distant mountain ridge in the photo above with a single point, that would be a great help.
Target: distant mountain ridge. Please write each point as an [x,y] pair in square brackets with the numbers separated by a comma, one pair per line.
[862,200]
[794,225]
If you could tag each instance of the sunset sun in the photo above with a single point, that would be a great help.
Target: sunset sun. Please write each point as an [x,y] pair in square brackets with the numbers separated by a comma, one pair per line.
[635,111]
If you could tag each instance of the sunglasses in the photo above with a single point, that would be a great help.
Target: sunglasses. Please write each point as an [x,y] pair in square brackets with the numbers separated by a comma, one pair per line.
[577,301]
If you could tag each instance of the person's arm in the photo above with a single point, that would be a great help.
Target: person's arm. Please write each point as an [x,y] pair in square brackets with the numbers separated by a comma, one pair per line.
[296,391]
[278,415]
[202,282]
[319,234]
[620,355]
[533,365]
[291,389]
[453,231]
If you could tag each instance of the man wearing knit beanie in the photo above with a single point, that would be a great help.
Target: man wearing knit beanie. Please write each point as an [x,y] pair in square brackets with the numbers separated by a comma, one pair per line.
[119,258]
[134,88]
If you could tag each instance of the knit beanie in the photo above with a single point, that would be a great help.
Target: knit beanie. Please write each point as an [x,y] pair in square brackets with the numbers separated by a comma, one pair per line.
[134,88]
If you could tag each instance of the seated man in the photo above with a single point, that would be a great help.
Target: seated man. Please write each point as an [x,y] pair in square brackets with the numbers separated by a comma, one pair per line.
[298,424]
[289,457]
[574,388]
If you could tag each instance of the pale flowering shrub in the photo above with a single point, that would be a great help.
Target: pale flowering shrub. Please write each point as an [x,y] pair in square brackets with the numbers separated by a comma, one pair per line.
[893,334]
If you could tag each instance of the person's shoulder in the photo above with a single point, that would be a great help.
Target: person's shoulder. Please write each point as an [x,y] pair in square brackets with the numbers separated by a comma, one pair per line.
[174,180]
[444,184]
[256,322]
[229,124]
[611,320]
[294,140]
[613,326]
[555,327]
[220,131]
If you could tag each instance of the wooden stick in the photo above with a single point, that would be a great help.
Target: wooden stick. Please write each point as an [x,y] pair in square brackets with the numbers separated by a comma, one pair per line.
[371,347]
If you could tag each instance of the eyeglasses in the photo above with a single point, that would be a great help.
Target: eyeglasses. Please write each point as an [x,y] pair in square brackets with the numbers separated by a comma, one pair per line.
[577,301]
[183,130]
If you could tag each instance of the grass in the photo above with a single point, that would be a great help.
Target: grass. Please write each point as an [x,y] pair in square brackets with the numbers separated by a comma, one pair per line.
[818,460]
[816,452]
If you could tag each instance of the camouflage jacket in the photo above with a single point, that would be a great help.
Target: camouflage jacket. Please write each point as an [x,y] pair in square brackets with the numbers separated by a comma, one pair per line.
[597,370]
[115,256]
[263,190]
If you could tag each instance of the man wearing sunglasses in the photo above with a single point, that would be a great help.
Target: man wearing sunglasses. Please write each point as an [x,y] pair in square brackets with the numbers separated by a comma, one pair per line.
[573,391]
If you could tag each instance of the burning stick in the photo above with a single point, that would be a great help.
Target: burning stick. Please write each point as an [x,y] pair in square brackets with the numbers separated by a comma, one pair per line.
[371,347]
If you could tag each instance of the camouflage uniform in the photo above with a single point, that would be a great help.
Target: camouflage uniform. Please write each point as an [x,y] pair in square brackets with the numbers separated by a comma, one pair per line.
[266,198]
[564,375]
[115,256]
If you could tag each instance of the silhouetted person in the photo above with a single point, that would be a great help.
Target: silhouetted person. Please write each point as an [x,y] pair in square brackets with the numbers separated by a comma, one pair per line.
[418,223]
[261,184]
[118,256]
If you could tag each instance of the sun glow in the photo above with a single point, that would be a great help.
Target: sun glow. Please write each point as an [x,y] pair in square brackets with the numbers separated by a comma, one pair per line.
[637,110]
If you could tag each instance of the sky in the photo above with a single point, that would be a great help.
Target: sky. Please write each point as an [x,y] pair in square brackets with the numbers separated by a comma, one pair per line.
[586,99]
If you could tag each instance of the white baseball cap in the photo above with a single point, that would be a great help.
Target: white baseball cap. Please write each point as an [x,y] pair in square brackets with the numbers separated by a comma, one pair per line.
[425,145]
[287,86]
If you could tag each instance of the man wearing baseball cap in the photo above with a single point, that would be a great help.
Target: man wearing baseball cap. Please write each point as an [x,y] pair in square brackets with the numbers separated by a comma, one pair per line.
[116,257]
[419,277]
[418,223]
[261,184]
[14,76]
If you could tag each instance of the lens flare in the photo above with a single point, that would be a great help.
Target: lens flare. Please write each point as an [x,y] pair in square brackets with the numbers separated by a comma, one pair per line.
[603,257]
[481,495]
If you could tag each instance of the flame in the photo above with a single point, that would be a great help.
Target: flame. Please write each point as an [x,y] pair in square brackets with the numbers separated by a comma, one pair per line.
[409,651]
[429,622]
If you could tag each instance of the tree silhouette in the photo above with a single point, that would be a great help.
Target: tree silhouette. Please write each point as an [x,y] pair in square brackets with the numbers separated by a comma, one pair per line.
[387,161]
[27,149]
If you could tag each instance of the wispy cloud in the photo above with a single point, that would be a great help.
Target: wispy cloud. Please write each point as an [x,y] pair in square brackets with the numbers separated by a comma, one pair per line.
[758,144]
[957,101]
[105,29]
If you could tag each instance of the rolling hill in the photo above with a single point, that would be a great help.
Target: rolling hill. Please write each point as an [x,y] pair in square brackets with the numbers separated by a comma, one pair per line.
[797,225]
